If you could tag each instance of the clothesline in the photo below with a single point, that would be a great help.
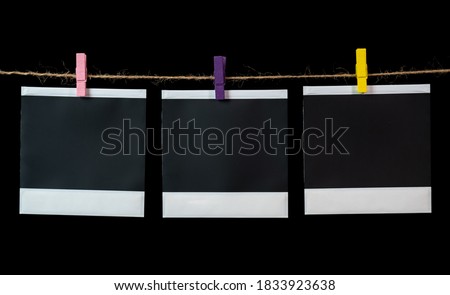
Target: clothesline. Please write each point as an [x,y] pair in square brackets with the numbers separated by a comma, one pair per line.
[69,75]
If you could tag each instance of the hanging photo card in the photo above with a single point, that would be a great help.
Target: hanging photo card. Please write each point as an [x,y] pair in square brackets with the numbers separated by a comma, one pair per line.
[82,155]
[367,153]
[225,158]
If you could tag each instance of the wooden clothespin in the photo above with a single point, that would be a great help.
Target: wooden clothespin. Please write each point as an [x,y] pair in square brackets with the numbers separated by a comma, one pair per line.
[361,70]
[81,74]
[219,76]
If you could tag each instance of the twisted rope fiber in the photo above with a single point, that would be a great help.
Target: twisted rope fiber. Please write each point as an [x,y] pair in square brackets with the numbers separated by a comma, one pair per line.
[230,78]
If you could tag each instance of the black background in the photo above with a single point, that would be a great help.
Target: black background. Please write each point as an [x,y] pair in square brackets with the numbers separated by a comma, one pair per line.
[182,39]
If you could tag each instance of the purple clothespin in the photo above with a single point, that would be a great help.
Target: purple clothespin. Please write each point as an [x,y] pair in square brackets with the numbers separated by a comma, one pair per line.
[219,76]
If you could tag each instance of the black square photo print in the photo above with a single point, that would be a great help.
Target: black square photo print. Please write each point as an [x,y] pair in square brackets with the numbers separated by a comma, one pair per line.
[223,158]
[367,153]
[78,155]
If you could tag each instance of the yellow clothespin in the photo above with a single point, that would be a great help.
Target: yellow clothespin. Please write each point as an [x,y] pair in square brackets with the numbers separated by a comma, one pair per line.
[361,70]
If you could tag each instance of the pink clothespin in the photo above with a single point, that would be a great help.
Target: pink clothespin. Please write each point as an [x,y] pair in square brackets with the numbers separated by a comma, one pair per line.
[81,74]
[219,76]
